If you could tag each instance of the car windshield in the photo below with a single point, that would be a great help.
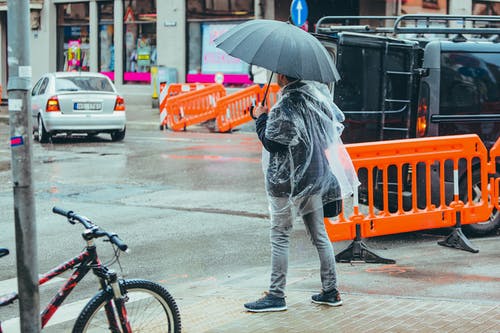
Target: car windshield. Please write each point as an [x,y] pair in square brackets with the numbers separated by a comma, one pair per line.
[80,83]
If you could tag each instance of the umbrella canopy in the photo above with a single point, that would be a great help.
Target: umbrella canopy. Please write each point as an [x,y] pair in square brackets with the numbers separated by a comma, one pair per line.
[280,47]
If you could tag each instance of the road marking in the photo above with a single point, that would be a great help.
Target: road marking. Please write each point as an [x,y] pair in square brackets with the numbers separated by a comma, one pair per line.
[9,286]
[212,158]
[150,138]
[65,313]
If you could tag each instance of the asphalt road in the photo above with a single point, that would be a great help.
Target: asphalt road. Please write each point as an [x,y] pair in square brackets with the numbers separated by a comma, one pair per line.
[192,208]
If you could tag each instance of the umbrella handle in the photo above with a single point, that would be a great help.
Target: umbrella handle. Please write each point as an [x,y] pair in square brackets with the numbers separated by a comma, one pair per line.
[264,99]
[267,88]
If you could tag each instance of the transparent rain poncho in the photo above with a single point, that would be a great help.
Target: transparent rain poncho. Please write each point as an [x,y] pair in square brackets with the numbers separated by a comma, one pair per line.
[315,168]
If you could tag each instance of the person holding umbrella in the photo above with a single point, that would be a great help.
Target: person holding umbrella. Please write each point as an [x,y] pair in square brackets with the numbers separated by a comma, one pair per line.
[305,163]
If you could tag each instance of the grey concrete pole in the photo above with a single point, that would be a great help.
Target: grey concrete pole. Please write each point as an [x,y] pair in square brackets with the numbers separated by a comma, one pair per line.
[19,82]
[94,36]
[118,37]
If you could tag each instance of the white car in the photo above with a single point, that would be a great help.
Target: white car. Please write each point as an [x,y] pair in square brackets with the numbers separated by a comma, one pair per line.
[77,102]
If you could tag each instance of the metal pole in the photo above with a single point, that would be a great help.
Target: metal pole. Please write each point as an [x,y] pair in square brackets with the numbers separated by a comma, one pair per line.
[19,82]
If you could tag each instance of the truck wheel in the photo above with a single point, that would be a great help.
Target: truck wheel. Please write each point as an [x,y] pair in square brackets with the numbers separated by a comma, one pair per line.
[493,222]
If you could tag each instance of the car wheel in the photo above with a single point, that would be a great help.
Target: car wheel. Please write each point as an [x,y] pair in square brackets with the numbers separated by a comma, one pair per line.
[493,222]
[43,135]
[118,135]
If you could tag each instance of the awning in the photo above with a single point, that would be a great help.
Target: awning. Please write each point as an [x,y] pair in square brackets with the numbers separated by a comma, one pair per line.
[34,4]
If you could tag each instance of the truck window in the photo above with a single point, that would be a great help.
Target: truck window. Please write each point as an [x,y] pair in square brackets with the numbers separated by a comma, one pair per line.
[375,90]
[470,86]
[359,88]
[470,83]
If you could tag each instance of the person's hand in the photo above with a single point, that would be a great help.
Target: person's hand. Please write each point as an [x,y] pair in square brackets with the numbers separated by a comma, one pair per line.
[259,109]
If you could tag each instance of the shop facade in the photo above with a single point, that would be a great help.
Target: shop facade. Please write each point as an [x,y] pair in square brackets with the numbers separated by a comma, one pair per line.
[206,20]
[124,39]
[121,38]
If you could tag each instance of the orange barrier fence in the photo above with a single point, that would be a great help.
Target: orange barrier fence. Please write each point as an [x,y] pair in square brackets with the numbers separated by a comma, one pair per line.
[175,89]
[386,167]
[192,107]
[495,182]
[272,94]
[496,191]
[180,108]
[234,110]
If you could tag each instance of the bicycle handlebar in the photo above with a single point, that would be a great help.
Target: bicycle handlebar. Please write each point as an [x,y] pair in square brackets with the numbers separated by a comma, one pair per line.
[3,252]
[89,225]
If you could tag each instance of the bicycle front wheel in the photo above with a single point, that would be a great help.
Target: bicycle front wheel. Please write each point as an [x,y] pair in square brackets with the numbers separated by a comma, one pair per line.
[150,308]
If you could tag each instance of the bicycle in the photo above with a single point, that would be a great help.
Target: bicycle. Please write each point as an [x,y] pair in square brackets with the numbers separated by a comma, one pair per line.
[121,306]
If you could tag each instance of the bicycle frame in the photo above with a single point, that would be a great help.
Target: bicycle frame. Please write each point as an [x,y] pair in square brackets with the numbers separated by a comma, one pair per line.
[82,264]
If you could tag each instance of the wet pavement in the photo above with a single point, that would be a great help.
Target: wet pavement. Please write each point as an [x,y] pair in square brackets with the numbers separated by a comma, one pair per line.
[429,289]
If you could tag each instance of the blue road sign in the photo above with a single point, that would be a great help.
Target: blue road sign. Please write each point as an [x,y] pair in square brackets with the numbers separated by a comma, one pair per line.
[299,12]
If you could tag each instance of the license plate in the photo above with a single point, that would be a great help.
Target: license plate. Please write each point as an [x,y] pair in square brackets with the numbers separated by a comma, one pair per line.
[87,106]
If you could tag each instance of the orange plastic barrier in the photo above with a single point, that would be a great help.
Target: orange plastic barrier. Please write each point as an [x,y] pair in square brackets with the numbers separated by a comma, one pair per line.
[495,182]
[496,192]
[234,110]
[175,89]
[444,155]
[272,94]
[193,107]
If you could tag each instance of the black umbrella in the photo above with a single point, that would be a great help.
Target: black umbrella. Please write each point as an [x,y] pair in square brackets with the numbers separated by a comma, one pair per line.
[280,47]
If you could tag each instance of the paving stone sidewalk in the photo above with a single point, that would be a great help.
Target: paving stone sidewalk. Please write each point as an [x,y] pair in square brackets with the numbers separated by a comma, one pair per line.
[360,313]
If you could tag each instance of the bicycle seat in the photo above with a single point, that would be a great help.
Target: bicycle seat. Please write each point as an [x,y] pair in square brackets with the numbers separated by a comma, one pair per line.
[3,252]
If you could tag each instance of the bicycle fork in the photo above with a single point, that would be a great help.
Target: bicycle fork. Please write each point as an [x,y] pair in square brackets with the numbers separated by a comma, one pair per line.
[116,305]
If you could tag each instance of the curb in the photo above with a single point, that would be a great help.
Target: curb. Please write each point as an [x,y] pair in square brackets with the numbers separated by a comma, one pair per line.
[140,125]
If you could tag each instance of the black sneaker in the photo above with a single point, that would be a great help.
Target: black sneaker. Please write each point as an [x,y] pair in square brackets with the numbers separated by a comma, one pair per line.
[331,298]
[268,303]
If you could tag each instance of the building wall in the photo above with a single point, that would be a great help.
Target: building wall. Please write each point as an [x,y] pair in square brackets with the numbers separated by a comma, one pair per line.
[43,43]
[460,7]
[171,40]
[376,8]
[171,33]
[3,53]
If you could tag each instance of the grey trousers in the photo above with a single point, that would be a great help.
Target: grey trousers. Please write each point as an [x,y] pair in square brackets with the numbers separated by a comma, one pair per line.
[282,217]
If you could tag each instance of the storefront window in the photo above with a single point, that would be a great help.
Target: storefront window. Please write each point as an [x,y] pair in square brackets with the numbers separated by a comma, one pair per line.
[106,42]
[485,7]
[208,19]
[424,6]
[73,47]
[140,40]
[219,8]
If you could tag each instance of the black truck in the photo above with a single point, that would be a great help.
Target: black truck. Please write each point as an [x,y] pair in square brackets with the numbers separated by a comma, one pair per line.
[417,76]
